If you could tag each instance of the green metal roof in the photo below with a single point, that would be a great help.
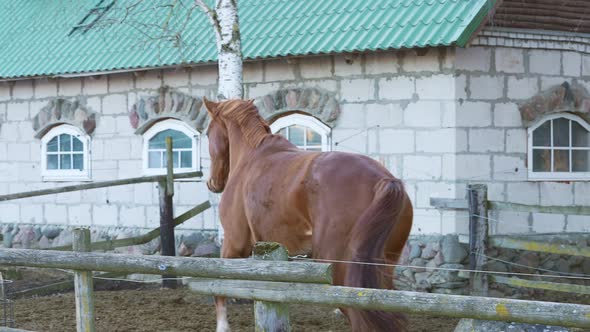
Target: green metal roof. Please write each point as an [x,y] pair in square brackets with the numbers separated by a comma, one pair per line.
[39,38]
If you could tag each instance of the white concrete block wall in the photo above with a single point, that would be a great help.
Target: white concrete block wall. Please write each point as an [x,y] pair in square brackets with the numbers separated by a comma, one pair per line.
[115,152]
[498,79]
[438,120]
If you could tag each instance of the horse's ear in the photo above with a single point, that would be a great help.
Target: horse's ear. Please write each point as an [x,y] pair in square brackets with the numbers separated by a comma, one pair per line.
[251,101]
[210,106]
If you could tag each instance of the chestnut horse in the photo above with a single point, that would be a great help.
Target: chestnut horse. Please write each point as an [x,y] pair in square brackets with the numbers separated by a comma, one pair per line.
[332,205]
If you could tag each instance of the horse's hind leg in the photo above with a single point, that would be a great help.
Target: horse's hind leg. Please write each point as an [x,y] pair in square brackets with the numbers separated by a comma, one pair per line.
[229,251]
[221,312]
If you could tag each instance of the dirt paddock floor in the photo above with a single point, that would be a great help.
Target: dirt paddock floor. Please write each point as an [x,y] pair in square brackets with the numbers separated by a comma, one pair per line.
[130,306]
[127,306]
[177,310]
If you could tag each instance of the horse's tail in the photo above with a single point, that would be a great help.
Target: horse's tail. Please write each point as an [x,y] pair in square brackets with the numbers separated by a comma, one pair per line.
[368,241]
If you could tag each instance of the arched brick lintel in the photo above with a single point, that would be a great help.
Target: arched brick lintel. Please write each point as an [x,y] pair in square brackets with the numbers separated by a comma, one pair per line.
[319,103]
[573,98]
[169,103]
[62,111]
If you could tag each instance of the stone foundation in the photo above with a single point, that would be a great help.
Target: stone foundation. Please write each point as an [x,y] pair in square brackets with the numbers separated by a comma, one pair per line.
[427,254]
[188,242]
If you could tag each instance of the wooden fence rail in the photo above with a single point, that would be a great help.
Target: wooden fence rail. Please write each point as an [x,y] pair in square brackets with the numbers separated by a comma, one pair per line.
[479,235]
[166,193]
[247,269]
[463,204]
[96,185]
[486,308]
[141,239]
[286,291]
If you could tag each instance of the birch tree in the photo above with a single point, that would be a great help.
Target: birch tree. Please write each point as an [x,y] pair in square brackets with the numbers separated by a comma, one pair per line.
[226,25]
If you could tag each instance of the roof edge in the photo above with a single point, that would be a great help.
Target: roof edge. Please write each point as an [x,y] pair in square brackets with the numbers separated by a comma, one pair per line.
[478,22]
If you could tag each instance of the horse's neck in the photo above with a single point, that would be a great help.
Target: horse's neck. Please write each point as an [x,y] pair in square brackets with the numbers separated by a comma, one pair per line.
[239,146]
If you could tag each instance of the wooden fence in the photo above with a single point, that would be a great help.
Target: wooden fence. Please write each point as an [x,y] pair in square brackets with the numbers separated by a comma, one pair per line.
[479,241]
[167,220]
[278,282]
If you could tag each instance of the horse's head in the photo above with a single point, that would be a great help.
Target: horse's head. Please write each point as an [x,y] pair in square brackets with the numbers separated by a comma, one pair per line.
[218,148]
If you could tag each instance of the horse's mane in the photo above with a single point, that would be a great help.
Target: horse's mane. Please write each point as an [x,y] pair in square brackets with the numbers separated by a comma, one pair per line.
[246,115]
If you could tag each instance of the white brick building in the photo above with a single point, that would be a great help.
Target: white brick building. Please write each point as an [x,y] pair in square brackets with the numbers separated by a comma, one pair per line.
[439,117]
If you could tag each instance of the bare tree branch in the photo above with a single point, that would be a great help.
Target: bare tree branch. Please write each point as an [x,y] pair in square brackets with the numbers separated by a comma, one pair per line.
[212,15]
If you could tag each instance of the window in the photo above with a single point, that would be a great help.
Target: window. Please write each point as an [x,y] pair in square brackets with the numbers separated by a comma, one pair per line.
[559,148]
[185,149]
[65,154]
[305,131]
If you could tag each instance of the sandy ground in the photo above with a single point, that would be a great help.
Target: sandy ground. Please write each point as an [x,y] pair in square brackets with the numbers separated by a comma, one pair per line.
[177,310]
[128,306]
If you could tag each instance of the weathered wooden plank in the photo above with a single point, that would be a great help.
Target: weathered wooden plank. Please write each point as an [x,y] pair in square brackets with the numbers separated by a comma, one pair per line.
[503,241]
[478,236]
[167,243]
[96,185]
[183,266]
[169,167]
[142,239]
[270,316]
[486,308]
[536,284]
[572,210]
[449,203]
[83,285]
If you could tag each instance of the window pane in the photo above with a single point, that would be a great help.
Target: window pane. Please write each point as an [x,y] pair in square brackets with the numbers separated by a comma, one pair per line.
[580,136]
[314,148]
[175,159]
[186,159]
[179,140]
[313,137]
[542,135]
[541,160]
[65,161]
[78,161]
[65,142]
[52,160]
[561,132]
[52,145]
[296,134]
[154,159]
[580,160]
[78,146]
[283,132]
[561,161]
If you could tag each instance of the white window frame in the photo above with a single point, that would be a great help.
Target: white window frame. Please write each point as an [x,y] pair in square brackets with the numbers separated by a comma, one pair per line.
[555,176]
[174,125]
[307,121]
[63,174]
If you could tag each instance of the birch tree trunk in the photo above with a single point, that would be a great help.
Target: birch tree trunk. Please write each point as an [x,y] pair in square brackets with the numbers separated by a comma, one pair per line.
[226,25]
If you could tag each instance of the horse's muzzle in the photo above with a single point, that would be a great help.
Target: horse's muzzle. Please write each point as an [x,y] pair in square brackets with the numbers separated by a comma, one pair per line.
[213,188]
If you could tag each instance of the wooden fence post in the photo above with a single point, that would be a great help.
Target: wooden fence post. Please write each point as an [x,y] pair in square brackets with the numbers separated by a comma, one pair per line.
[478,237]
[166,191]
[83,285]
[271,316]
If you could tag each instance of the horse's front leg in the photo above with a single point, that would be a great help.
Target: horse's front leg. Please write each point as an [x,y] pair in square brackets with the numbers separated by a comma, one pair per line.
[221,311]
[229,251]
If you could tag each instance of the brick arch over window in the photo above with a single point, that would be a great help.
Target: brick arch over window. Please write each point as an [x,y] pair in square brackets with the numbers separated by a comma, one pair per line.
[319,103]
[169,103]
[572,98]
[62,111]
